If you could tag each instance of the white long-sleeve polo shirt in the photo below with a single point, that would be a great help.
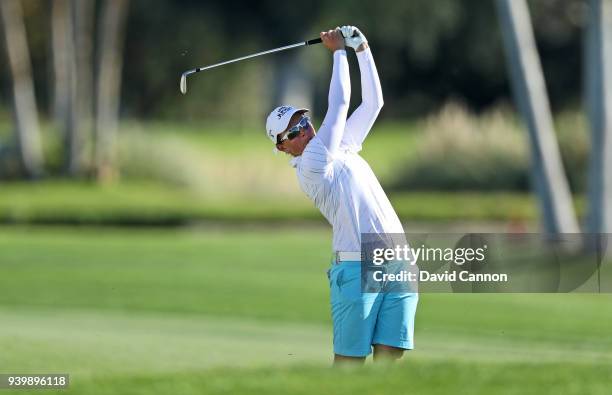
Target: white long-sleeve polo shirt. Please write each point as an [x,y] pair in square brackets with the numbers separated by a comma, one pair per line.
[333,174]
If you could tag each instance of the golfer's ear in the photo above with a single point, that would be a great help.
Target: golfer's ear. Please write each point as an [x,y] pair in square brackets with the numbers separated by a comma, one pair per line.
[280,148]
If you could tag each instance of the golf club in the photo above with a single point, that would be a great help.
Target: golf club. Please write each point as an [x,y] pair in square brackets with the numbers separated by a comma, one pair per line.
[184,76]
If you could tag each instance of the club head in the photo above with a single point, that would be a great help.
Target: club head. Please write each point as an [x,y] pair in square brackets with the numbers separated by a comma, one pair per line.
[184,83]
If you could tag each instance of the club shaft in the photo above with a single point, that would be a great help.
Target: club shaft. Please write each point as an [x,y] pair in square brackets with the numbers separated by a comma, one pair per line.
[183,85]
[300,44]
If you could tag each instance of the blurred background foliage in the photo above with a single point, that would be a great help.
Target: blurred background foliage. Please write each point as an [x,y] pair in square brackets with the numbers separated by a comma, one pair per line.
[448,124]
[427,53]
[488,152]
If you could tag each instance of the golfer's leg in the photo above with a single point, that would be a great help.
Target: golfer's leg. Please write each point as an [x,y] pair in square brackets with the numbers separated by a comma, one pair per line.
[342,360]
[387,353]
[394,331]
[353,313]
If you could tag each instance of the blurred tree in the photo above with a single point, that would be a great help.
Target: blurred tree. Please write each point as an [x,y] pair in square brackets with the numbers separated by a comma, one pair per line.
[598,61]
[529,88]
[427,53]
[292,74]
[80,130]
[108,86]
[24,101]
[60,51]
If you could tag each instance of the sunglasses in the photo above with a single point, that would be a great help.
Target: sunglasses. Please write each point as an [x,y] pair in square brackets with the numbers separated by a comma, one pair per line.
[292,133]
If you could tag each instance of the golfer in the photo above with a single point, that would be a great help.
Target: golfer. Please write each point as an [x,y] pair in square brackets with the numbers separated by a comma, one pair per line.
[343,187]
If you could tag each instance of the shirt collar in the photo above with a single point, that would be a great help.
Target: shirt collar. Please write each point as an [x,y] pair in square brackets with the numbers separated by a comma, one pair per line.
[296,161]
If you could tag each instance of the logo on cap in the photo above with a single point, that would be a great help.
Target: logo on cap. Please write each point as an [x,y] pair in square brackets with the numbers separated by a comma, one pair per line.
[281,111]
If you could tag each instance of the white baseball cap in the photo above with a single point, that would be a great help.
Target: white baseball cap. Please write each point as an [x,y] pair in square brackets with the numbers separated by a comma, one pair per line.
[279,118]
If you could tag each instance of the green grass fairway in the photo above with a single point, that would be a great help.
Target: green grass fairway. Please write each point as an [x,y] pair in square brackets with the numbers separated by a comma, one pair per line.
[218,311]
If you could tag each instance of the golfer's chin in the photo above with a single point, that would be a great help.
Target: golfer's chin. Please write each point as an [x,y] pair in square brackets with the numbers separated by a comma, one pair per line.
[304,143]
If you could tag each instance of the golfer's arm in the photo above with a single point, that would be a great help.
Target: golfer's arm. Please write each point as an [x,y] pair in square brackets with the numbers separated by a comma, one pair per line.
[361,120]
[333,125]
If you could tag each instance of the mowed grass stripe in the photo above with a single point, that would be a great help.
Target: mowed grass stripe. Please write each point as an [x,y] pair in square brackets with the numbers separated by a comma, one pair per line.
[410,377]
[93,343]
[266,274]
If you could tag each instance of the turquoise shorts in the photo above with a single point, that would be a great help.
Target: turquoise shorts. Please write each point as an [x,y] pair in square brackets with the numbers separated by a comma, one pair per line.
[362,320]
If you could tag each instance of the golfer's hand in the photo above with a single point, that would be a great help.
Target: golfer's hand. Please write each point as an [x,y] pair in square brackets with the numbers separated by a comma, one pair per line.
[333,39]
[354,38]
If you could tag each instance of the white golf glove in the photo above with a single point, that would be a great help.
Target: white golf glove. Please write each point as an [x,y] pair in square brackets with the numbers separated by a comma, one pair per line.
[354,42]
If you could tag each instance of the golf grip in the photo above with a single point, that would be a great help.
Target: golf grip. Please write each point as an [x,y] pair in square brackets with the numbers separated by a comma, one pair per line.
[318,40]
[313,41]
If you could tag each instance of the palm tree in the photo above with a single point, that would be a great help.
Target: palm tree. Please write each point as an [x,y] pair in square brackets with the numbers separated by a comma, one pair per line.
[598,81]
[61,33]
[548,176]
[81,71]
[108,86]
[24,100]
